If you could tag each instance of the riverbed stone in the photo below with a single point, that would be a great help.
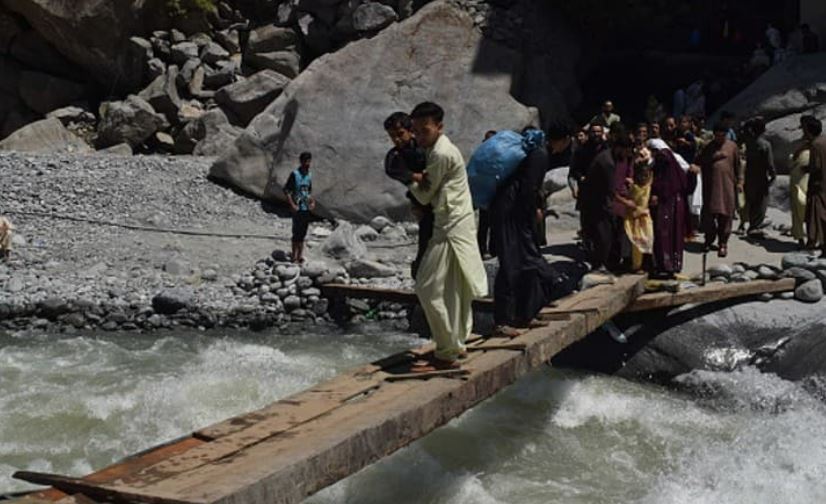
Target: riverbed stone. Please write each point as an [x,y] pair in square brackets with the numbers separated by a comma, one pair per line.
[799,274]
[363,268]
[173,300]
[809,292]
[343,244]
[720,270]
[292,302]
[367,233]
[796,259]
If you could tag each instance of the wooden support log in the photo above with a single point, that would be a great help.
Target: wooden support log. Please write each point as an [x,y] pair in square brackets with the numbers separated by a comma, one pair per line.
[80,486]
[710,293]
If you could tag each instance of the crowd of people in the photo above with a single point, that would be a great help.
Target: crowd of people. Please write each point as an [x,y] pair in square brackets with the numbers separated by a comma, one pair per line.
[641,193]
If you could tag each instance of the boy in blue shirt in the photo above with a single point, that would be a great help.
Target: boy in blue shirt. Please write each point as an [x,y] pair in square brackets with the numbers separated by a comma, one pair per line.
[298,189]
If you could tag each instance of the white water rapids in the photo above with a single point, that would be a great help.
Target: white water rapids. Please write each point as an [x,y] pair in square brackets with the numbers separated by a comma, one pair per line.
[74,404]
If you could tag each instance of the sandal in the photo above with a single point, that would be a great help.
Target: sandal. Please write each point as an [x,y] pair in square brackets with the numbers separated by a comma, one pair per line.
[504,331]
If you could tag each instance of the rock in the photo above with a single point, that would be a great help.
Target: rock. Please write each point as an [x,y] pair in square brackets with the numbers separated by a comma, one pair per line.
[163,142]
[434,53]
[122,149]
[222,74]
[130,121]
[15,285]
[766,273]
[183,51]
[555,180]
[363,268]
[229,40]
[155,68]
[270,38]
[45,136]
[72,114]
[594,279]
[809,292]
[93,34]
[292,302]
[314,269]
[43,93]
[162,94]
[394,233]
[796,259]
[411,228]
[177,267]
[751,275]
[799,274]
[720,270]
[53,307]
[218,134]
[209,275]
[287,63]
[366,233]
[212,53]
[75,319]
[280,255]
[171,301]
[248,98]
[289,273]
[380,222]
[373,16]
[343,243]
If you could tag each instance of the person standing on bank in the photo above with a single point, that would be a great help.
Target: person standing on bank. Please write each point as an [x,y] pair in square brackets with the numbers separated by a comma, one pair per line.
[720,163]
[299,189]
[799,183]
[816,198]
[451,274]
[759,174]
[483,233]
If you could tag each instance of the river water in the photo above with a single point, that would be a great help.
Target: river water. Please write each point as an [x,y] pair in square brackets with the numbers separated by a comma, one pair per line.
[73,404]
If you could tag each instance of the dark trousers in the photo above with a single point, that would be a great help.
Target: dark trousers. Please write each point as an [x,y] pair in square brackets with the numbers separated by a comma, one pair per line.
[484,236]
[600,235]
[757,207]
[717,226]
[425,233]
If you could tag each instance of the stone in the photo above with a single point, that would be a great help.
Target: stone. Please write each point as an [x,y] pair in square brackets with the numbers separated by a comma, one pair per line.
[121,149]
[212,53]
[53,307]
[311,291]
[314,269]
[364,268]
[796,259]
[155,68]
[246,99]
[229,40]
[43,92]
[591,280]
[93,34]
[373,16]
[809,292]
[209,275]
[74,319]
[304,282]
[321,306]
[173,300]
[292,302]
[130,121]
[751,275]
[411,228]
[218,133]
[222,74]
[433,53]
[720,270]
[162,94]
[287,63]
[799,274]
[270,38]
[177,267]
[45,136]
[380,222]
[280,255]
[394,233]
[289,273]
[766,273]
[72,114]
[367,233]
[343,243]
[181,52]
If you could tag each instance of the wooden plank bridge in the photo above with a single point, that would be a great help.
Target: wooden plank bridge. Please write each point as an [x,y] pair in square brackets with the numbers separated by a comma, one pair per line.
[294,447]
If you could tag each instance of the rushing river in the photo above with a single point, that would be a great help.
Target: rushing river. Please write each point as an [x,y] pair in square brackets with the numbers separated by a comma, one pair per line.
[73,404]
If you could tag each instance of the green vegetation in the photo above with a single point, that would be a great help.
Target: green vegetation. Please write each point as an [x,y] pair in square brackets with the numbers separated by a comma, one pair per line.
[182,7]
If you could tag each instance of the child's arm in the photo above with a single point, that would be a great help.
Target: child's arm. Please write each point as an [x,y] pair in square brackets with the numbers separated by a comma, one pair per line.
[425,185]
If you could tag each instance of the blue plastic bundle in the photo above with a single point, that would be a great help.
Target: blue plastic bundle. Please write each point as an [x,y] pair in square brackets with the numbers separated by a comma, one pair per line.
[496,160]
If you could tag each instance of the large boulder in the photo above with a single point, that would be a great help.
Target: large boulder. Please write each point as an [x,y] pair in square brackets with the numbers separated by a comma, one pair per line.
[129,121]
[335,108]
[246,99]
[782,94]
[46,136]
[94,33]
[162,94]
[43,93]
[287,62]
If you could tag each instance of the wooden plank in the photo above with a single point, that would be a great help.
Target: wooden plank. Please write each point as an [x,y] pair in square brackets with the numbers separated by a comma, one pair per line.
[80,486]
[286,468]
[710,293]
[389,295]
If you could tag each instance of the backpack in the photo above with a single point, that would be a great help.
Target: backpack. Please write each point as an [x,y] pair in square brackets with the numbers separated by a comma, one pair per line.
[496,160]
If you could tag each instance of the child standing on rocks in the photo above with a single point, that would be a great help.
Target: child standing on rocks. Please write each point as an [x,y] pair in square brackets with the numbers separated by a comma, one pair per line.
[451,273]
[401,162]
[298,189]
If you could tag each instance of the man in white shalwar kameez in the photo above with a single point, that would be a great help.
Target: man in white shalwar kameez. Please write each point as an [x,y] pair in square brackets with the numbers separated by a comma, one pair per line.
[451,274]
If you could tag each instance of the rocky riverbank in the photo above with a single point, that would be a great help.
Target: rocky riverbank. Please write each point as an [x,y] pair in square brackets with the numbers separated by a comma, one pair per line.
[148,242]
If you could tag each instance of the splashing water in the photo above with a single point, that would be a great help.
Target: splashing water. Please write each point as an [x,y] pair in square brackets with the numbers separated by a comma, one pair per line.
[71,405]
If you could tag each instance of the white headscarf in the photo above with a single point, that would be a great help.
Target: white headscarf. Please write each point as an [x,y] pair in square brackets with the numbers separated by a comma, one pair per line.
[659,144]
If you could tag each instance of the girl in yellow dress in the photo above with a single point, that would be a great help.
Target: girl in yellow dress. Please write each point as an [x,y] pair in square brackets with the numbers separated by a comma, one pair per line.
[638,224]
